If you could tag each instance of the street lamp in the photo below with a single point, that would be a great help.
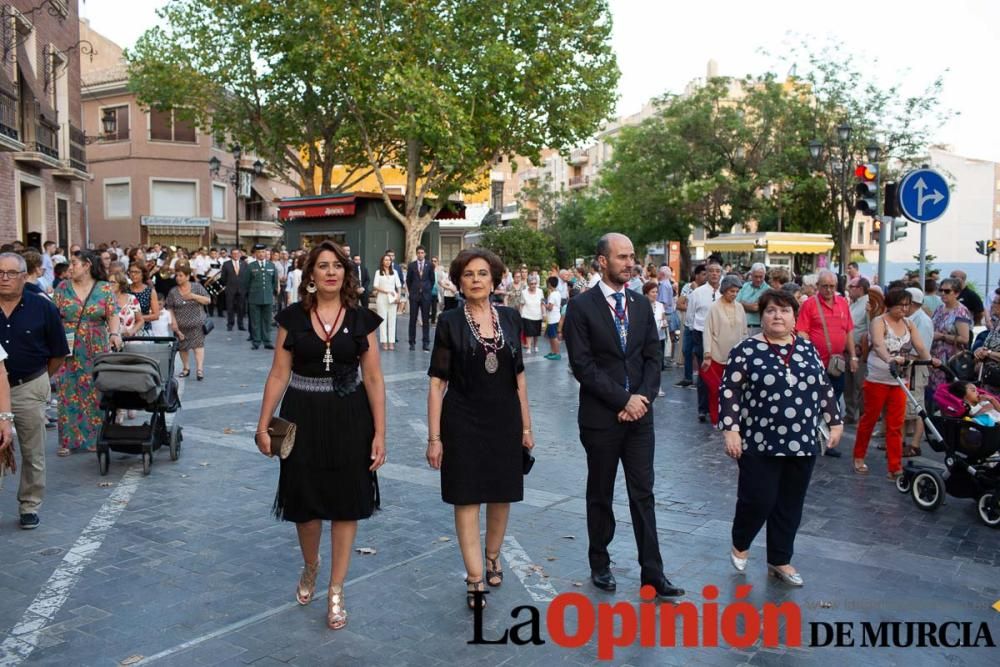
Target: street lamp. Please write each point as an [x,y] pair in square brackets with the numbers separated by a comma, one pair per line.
[215,166]
[844,133]
[815,149]
[873,152]
[109,122]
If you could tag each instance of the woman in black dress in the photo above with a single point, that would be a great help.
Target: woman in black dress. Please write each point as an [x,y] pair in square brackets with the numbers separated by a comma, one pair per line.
[477,413]
[340,419]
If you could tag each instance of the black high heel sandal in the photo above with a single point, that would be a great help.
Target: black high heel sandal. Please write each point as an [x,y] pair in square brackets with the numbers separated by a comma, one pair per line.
[471,588]
[493,571]
[185,373]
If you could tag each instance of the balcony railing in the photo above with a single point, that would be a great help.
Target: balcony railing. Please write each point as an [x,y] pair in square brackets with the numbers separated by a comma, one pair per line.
[47,139]
[8,116]
[579,181]
[77,152]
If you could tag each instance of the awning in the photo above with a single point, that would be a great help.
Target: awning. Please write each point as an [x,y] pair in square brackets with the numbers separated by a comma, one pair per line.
[225,232]
[317,207]
[728,245]
[817,247]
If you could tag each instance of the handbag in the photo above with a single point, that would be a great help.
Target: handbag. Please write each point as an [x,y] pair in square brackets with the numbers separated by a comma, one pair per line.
[527,460]
[71,335]
[837,364]
[282,434]
[207,326]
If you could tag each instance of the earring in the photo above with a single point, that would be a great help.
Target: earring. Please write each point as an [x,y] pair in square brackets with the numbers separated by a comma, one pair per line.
[311,287]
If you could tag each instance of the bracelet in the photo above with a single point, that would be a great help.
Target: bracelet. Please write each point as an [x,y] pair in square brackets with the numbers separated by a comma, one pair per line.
[434,438]
[115,333]
[526,431]
[264,431]
[6,416]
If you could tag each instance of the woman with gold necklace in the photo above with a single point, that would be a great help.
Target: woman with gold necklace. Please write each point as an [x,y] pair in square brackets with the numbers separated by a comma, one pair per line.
[477,414]
[725,326]
[340,418]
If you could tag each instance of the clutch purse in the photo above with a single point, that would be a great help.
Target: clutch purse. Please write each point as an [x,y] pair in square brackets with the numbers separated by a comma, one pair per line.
[282,434]
[207,326]
[527,460]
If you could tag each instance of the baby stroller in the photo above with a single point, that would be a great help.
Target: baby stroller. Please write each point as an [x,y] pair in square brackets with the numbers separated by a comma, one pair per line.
[969,448]
[139,378]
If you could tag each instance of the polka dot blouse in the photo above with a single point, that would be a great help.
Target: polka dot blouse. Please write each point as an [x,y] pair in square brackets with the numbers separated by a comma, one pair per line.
[774,396]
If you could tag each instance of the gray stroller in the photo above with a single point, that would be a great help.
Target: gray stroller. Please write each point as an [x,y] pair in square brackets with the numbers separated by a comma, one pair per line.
[139,378]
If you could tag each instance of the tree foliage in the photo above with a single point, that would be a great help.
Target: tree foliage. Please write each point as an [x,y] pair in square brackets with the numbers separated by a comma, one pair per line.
[242,70]
[518,244]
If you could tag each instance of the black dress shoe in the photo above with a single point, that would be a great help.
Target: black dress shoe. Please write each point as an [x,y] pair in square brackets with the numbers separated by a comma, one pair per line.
[683,383]
[604,580]
[427,348]
[242,328]
[229,328]
[665,589]
[833,453]
[268,346]
[413,346]
[255,346]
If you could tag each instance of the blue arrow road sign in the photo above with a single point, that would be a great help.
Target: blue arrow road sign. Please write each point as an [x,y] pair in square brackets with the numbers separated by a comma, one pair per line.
[923,195]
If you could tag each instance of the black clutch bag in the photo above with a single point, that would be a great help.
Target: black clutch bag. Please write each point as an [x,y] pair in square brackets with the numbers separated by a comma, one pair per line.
[527,460]
[207,326]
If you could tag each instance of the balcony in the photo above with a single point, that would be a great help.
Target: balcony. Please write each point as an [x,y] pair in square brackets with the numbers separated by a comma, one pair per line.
[577,182]
[75,168]
[578,158]
[10,137]
[41,145]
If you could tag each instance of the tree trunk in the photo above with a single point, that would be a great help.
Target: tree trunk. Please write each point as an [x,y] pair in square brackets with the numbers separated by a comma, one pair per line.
[415,227]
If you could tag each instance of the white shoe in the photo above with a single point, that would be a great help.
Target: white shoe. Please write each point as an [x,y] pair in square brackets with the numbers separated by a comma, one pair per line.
[739,563]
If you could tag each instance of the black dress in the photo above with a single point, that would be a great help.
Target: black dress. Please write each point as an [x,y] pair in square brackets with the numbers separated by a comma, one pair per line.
[481,416]
[326,476]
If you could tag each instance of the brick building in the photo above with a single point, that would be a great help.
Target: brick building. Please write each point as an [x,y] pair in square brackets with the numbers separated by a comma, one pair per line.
[43,164]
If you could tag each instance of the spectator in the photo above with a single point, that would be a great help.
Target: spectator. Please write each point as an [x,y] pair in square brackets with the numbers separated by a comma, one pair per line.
[149,303]
[651,290]
[952,327]
[857,292]
[968,297]
[553,313]
[688,342]
[388,292]
[725,326]
[750,292]
[129,310]
[700,302]
[920,374]
[186,304]
[531,314]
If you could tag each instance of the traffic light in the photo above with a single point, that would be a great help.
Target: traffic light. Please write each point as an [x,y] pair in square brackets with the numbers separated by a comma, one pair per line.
[982,247]
[890,206]
[898,229]
[991,247]
[876,229]
[866,189]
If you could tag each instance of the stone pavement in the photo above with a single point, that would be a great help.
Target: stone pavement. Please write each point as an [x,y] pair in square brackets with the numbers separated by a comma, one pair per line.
[186,566]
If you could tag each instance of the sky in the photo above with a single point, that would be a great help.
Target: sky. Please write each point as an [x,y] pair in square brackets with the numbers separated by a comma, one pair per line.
[662,45]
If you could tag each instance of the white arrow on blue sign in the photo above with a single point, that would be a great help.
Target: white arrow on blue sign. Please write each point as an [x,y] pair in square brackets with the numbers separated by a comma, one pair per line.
[923,195]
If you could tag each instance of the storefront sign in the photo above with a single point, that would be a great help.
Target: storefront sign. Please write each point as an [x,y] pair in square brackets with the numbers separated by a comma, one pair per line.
[317,211]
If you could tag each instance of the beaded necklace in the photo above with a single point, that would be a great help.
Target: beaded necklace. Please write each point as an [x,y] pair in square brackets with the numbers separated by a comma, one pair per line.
[492,362]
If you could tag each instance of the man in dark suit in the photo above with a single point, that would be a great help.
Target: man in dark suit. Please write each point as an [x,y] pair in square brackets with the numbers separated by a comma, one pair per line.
[361,273]
[233,277]
[614,352]
[419,283]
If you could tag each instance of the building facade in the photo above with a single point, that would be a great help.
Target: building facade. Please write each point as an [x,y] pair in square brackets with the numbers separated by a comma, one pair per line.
[43,162]
[152,182]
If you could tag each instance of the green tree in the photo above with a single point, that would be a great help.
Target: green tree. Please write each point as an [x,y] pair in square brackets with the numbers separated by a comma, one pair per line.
[518,244]
[443,88]
[256,73]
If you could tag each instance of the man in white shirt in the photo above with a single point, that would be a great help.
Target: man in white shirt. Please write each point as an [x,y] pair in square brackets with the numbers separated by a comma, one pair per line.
[857,290]
[921,374]
[699,302]
[200,264]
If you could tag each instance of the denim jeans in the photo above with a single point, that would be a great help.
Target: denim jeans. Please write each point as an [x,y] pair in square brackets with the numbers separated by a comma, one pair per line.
[687,347]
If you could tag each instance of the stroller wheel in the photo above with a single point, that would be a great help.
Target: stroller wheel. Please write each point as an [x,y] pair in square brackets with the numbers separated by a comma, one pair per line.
[104,462]
[903,483]
[989,509]
[175,443]
[928,491]
[147,461]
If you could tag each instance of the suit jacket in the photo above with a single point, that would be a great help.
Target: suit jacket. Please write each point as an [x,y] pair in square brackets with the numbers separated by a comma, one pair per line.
[597,360]
[234,284]
[263,283]
[366,282]
[417,284]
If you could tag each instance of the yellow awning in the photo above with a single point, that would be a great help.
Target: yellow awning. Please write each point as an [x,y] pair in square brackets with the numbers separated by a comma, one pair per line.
[730,245]
[817,247]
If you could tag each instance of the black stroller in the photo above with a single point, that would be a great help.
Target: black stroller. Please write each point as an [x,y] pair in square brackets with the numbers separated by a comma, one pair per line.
[971,463]
[139,378]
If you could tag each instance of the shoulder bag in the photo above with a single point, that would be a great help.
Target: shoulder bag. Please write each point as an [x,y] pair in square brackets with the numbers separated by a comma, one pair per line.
[282,434]
[837,364]
[71,335]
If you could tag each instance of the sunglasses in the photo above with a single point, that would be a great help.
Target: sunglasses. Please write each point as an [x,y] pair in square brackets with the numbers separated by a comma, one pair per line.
[945,291]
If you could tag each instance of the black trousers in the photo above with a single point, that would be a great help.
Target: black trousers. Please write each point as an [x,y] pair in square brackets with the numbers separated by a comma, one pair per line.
[420,303]
[772,490]
[434,309]
[450,302]
[633,445]
[235,307]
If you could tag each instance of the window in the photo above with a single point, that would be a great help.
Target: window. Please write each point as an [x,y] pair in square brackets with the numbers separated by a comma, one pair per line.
[175,198]
[861,234]
[166,126]
[121,114]
[117,199]
[218,201]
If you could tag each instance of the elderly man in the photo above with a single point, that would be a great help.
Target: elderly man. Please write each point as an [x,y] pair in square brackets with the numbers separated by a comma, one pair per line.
[665,295]
[826,321]
[688,340]
[967,297]
[750,293]
[921,374]
[699,303]
[31,331]
[857,291]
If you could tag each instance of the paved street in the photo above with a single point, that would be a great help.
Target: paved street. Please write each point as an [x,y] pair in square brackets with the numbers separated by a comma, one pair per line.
[186,566]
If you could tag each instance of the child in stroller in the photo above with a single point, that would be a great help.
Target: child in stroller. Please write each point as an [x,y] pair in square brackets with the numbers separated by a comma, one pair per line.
[980,406]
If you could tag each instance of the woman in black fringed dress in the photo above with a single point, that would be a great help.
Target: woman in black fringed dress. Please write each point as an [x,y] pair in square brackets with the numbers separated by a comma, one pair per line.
[478,414]
[340,418]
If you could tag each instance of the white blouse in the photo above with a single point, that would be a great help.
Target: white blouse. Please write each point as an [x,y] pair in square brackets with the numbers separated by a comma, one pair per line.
[389,282]
[532,307]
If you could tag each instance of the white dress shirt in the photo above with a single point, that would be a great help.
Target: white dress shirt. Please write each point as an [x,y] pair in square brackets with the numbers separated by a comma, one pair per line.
[700,301]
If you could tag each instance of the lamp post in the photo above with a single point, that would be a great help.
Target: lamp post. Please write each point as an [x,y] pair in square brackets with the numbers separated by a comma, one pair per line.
[842,165]
[873,151]
[215,166]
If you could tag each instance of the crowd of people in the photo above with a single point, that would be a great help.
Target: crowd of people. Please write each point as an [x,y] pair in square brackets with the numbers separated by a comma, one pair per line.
[772,359]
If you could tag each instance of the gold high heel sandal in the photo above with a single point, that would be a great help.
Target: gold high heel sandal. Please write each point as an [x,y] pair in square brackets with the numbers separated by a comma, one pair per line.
[307,583]
[336,611]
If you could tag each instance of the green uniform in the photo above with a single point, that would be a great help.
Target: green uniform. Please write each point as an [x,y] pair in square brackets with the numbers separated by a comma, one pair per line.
[260,297]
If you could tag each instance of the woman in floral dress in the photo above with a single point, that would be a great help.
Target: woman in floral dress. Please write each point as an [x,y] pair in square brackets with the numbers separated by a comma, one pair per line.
[952,323]
[89,310]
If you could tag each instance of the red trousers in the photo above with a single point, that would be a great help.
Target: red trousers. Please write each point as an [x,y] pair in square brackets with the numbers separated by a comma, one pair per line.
[713,382]
[891,397]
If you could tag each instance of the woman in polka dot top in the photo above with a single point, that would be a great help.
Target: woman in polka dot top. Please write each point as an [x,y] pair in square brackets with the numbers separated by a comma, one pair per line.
[774,395]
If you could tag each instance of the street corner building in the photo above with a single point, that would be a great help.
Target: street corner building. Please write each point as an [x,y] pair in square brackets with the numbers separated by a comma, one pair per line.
[43,162]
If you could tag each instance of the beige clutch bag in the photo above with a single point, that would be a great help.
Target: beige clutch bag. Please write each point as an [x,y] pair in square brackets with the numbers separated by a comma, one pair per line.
[282,434]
